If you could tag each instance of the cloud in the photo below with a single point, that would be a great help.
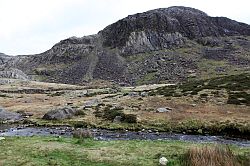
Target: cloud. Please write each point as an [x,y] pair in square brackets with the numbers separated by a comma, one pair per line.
[34,26]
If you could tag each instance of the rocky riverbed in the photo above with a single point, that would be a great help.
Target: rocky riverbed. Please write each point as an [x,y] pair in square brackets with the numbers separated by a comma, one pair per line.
[108,135]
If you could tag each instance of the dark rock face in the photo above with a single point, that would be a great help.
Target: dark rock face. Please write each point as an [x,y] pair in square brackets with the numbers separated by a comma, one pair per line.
[9,116]
[60,113]
[228,27]
[165,28]
[160,45]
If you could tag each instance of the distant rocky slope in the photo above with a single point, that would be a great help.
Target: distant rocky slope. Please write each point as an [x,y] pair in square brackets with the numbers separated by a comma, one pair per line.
[3,58]
[13,74]
[163,45]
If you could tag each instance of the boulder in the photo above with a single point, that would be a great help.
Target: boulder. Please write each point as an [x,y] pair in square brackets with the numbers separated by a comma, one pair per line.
[163,161]
[144,94]
[9,116]
[91,103]
[117,119]
[193,105]
[133,94]
[25,114]
[164,109]
[60,113]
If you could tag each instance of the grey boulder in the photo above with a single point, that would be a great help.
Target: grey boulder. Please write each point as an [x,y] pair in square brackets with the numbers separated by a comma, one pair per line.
[163,109]
[9,116]
[117,119]
[91,103]
[60,113]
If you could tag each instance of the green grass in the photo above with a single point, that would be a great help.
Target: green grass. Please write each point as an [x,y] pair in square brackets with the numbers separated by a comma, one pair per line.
[208,68]
[71,151]
[146,78]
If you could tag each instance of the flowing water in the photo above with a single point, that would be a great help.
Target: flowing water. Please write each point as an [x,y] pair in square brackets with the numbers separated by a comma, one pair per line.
[100,134]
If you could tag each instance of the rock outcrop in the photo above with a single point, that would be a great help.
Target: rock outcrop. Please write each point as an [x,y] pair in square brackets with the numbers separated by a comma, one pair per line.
[13,74]
[166,28]
[60,113]
[160,45]
[9,116]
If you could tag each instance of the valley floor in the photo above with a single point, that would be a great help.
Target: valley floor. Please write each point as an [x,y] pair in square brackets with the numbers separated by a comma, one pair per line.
[142,108]
[99,105]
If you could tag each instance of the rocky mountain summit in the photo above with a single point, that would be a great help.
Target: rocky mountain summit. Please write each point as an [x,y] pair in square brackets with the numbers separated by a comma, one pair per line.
[162,45]
[165,28]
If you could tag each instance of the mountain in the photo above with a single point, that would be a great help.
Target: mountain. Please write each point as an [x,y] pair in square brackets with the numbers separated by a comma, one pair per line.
[3,58]
[162,45]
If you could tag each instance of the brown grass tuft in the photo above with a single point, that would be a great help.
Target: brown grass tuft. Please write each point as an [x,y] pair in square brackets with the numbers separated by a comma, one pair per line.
[81,134]
[211,156]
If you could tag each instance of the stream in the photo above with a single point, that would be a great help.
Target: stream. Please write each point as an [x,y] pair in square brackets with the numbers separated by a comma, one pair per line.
[100,134]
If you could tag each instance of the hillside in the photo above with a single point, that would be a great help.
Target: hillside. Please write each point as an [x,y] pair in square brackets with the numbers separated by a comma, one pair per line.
[165,45]
[235,88]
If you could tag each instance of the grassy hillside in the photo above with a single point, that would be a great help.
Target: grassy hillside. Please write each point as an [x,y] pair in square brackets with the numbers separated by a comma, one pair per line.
[236,86]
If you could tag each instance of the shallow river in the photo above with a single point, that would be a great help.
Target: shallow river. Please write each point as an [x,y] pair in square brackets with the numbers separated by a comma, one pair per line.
[120,135]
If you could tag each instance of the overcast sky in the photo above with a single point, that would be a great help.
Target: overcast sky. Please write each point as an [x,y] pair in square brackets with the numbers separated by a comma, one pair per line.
[34,26]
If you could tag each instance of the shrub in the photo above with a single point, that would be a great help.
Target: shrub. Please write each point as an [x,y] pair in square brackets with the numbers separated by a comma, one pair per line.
[110,114]
[80,112]
[98,113]
[230,83]
[80,124]
[239,98]
[203,95]
[125,94]
[130,118]
[232,100]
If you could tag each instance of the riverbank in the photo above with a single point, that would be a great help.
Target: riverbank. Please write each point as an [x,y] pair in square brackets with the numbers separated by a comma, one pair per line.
[89,152]
[188,126]
[111,135]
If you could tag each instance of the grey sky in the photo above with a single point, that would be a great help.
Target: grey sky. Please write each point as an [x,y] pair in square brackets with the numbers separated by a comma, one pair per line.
[34,26]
